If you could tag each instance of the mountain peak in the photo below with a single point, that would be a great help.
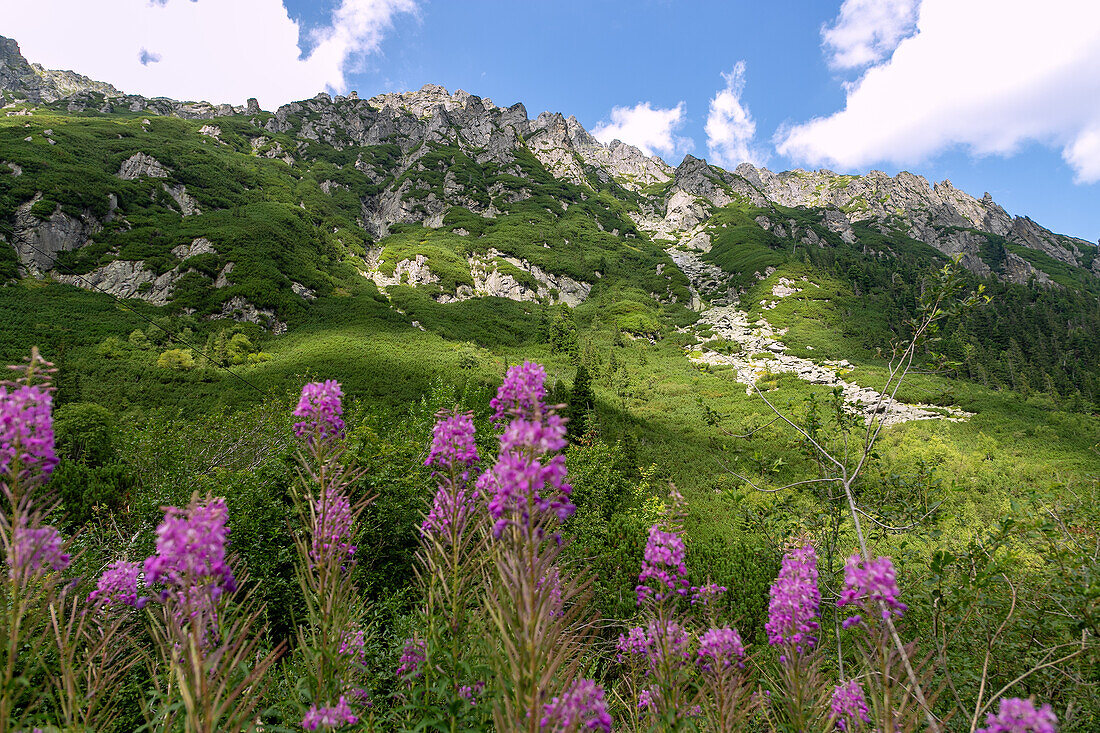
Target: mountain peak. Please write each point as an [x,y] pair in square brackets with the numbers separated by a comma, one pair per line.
[21,79]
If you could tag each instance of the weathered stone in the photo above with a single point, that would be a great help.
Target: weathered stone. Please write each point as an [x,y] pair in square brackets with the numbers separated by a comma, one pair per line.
[38,242]
[198,246]
[140,165]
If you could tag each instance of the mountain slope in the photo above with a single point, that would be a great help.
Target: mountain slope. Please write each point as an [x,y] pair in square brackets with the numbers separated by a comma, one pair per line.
[433,197]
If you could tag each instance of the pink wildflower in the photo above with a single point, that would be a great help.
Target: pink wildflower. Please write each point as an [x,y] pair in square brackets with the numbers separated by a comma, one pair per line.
[522,392]
[120,583]
[452,441]
[26,433]
[582,706]
[720,649]
[412,657]
[1017,715]
[35,548]
[331,718]
[795,600]
[333,530]
[663,562]
[866,586]
[191,549]
[321,410]
[849,707]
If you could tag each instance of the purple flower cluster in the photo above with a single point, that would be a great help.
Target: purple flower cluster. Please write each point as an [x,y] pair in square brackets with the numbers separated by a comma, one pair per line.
[581,707]
[471,693]
[647,698]
[668,644]
[321,411]
[523,479]
[522,393]
[795,600]
[452,441]
[452,448]
[119,584]
[26,433]
[875,581]
[412,656]
[634,642]
[705,594]
[849,707]
[190,554]
[333,528]
[1017,715]
[663,562]
[335,717]
[354,644]
[450,509]
[720,649]
[35,548]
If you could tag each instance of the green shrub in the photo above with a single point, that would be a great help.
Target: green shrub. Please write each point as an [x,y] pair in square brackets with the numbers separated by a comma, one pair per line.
[177,359]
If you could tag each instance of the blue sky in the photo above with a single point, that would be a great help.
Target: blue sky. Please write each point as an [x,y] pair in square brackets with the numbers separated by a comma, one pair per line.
[920,85]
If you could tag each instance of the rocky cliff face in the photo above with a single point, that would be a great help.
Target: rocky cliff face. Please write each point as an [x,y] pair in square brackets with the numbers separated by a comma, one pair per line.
[938,214]
[20,79]
[941,215]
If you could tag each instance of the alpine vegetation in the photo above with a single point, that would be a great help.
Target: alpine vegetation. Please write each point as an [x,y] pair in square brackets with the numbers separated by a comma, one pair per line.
[505,635]
[417,412]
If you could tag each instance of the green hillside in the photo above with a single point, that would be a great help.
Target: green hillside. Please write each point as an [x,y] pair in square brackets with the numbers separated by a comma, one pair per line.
[375,265]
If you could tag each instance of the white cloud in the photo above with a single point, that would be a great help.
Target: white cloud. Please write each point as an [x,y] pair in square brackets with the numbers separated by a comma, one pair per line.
[214,50]
[866,31]
[730,128]
[985,75]
[649,129]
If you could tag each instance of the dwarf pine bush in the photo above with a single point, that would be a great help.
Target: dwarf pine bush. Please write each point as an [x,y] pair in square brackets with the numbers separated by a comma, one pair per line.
[505,635]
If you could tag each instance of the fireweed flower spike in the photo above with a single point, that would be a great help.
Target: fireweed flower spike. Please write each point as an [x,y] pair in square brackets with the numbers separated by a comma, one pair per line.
[582,707]
[26,433]
[190,560]
[523,478]
[848,706]
[330,718]
[720,649]
[522,393]
[704,595]
[412,656]
[635,641]
[452,454]
[452,441]
[795,600]
[35,549]
[663,562]
[119,584]
[1016,715]
[321,411]
[866,586]
[334,527]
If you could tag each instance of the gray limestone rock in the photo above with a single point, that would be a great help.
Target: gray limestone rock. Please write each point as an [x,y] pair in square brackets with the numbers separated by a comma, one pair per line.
[140,165]
[38,242]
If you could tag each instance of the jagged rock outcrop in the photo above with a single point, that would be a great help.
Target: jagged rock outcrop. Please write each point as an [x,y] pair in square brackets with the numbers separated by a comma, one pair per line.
[20,79]
[242,311]
[126,279]
[940,215]
[762,353]
[490,276]
[140,165]
[38,242]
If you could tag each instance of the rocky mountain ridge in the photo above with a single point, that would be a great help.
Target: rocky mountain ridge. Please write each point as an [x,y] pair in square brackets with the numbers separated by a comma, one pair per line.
[24,80]
[415,158]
